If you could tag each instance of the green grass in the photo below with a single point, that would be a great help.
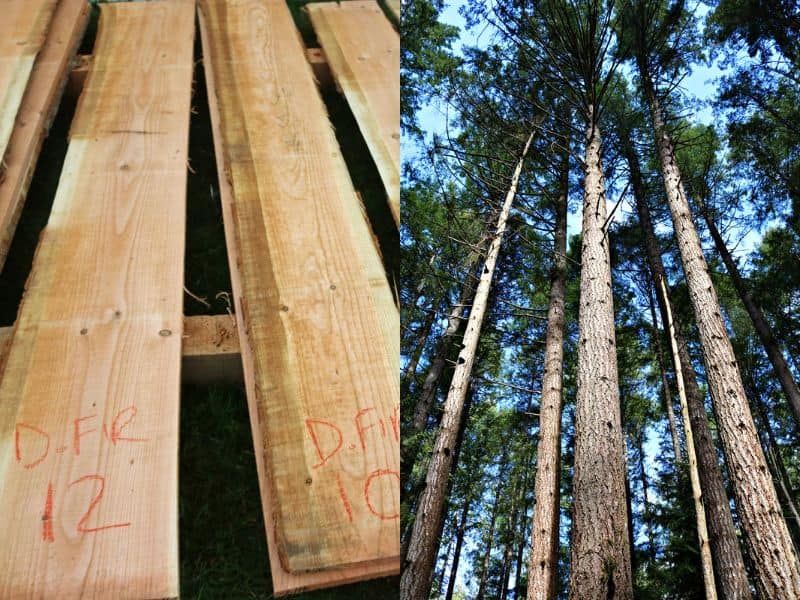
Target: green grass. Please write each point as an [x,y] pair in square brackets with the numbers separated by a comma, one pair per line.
[222,536]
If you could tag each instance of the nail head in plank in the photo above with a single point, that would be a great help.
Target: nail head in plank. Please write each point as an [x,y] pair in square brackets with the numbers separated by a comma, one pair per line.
[89,398]
[363,52]
[227,123]
[36,110]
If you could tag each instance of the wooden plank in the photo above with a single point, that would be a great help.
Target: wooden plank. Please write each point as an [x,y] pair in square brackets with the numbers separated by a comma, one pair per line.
[89,399]
[22,32]
[363,51]
[394,7]
[210,350]
[318,325]
[36,112]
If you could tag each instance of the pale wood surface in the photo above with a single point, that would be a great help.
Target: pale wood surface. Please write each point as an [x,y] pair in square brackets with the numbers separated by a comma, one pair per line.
[39,105]
[394,6]
[23,25]
[363,51]
[318,325]
[94,363]
[210,350]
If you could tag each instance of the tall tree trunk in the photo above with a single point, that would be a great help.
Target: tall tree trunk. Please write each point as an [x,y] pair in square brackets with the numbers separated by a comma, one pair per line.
[762,521]
[544,549]
[487,554]
[764,331]
[415,582]
[511,530]
[700,511]
[629,511]
[600,566]
[440,583]
[420,340]
[662,367]
[773,452]
[729,567]
[427,396]
[648,517]
[455,323]
[418,293]
[462,529]
[518,589]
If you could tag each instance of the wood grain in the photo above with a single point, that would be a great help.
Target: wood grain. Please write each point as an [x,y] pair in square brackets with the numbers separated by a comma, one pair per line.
[363,51]
[89,398]
[22,32]
[36,112]
[394,6]
[318,326]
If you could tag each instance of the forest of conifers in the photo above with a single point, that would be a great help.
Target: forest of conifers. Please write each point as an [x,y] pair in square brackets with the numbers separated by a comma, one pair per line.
[600,294]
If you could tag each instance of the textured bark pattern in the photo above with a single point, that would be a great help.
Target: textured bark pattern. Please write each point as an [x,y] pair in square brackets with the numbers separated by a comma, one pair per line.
[419,345]
[454,321]
[700,513]
[776,358]
[544,550]
[662,368]
[462,528]
[765,530]
[415,582]
[725,551]
[600,566]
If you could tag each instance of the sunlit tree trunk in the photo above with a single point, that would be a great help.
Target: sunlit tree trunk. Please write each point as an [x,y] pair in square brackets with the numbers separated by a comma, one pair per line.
[415,581]
[729,568]
[764,331]
[544,532]
[662,368]
[600,565]
[765,530]
[700,511]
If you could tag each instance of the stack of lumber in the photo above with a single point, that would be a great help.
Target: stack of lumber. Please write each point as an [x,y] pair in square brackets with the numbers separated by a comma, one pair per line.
[319,330]
[38,40]
[90,372]
[89,396]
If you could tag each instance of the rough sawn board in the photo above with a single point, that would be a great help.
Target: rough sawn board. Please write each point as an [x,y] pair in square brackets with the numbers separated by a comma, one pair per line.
[39,104]
[318,325]
[23,25]
[363,51]
[89,397]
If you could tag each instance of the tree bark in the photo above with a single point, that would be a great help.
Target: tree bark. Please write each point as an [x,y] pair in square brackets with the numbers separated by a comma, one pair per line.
[764,331]
[647,514]
[600,566]
[415,582]
[729,567]
[765,530]
[422,409]
[511,529]
[774,457]
[419,346]
[662,367]
[427,396]
[462,529]
[545,528]
[487,554]
[440,583]
[700,512]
